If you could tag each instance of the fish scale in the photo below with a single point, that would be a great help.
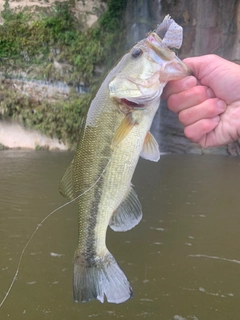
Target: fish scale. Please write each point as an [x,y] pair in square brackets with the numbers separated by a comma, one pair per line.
[115,133]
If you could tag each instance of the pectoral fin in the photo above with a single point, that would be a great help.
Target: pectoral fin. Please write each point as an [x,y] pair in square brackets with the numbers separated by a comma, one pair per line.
[128,214]
[126,125]
[66,186]
[150,149]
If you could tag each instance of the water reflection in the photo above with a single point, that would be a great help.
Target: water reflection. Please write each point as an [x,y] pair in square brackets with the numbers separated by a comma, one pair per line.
[183,260]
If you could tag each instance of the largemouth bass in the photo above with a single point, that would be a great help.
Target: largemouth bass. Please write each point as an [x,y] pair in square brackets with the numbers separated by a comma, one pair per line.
[113,136]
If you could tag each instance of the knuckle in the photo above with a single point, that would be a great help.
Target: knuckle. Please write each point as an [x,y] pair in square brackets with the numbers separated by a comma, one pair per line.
[183,117]
[199,94]
[189,133]
[213,56]
[172,103]
[212,108]
[199,129]
[205,125]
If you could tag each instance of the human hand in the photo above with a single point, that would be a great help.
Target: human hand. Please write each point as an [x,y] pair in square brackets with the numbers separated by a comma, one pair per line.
[208,103]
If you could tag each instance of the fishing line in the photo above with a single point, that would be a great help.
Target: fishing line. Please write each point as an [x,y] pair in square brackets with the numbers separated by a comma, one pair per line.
[39,225]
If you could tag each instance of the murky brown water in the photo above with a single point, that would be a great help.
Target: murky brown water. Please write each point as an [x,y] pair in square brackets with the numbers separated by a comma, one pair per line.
[183,260]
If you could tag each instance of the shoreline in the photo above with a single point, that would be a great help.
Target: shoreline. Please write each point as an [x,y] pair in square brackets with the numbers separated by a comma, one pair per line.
[15,136]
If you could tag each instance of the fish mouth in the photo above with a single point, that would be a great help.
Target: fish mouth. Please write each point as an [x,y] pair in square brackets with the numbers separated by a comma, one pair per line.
[132,104]
[138,102]
[182,66]
[155,43]
[163,52]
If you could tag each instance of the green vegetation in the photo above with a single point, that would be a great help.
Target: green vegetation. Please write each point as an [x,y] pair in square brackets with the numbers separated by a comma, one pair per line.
[34,44]
[61,119]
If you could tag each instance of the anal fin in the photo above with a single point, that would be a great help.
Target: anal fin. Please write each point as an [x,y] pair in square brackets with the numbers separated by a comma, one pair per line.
[150,150]
[128,214]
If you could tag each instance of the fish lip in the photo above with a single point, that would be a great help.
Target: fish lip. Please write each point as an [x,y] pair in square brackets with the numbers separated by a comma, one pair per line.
[156,44]
[131,101]
[183,66]
[132,104]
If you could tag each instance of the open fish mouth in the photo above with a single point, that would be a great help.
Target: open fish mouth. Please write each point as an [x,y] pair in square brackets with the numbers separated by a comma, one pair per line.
[132,104]
[162,51]
[136,100]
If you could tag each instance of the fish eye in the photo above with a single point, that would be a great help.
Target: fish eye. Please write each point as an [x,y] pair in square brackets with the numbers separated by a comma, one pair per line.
[136,52]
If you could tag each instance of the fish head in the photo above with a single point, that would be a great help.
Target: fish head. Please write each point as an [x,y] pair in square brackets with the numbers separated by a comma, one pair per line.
[144,71]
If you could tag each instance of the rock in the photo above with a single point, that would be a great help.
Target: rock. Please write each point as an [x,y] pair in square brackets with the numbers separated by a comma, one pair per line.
[208,27]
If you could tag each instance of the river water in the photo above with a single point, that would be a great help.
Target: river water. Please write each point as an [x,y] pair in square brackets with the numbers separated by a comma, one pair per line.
[183,259]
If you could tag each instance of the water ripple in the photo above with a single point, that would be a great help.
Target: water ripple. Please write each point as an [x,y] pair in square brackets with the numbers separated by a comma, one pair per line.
[213,257]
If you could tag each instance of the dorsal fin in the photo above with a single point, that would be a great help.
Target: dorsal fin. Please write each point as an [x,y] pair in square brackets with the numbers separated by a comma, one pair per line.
[66,186]
[128,214]
[150,150]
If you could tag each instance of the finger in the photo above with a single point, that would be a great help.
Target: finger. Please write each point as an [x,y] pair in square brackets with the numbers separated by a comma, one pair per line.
[198,130]
[176,86]
[208,109]
[202,66]
[189,98]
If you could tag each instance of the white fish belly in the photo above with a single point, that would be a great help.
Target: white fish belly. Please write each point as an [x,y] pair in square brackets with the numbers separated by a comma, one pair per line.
[118,177]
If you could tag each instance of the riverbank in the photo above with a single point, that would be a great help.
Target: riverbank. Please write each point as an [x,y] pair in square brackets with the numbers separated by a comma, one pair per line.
[50,63]
[13,135]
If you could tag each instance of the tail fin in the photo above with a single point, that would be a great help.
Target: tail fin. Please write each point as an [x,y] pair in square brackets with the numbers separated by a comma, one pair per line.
[102,277]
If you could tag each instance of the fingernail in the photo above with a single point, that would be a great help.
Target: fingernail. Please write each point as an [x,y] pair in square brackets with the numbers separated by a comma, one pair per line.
[221,105]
